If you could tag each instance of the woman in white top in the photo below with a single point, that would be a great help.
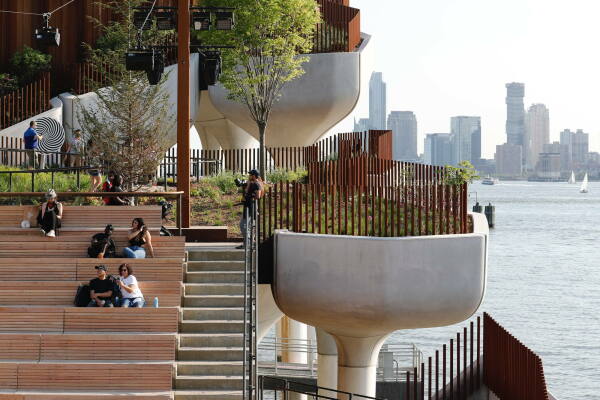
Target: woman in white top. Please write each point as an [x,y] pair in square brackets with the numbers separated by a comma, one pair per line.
[131,295]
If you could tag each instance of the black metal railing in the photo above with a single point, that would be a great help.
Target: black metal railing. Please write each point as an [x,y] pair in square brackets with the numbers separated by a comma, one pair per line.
[52,171]
[278,388]
[15,157]
[250,344]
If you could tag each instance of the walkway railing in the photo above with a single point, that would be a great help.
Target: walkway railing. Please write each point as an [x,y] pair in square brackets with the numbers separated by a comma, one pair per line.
[26,102]
[13,154]
[274,388]
[250,340]
[37,175]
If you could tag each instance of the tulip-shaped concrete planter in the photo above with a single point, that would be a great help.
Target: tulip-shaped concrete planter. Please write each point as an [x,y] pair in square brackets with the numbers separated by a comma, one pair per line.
[361,289]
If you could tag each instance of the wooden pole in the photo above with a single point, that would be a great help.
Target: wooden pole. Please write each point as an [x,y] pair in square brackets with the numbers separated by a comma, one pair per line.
[183,109]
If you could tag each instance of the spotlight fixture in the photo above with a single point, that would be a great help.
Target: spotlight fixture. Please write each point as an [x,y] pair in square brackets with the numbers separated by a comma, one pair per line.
[201,21]
[224,20]
[165,20]
[139,17]
[140,60]
[210,68]
[47,35]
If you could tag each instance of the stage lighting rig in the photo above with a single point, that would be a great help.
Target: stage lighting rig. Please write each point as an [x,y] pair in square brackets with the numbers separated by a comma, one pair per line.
[47,35]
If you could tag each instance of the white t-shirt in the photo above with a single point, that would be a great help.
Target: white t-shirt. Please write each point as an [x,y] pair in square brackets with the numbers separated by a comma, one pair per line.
[131,280]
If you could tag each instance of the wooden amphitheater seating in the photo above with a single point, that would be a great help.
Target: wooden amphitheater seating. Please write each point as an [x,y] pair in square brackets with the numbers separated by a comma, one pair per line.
[82,269]
[29,319]
[60,395]
[43,293]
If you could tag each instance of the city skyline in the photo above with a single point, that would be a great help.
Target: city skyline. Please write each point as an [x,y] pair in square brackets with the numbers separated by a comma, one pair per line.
[450,71]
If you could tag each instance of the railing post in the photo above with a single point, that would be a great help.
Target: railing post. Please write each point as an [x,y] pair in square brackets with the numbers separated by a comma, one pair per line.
[78,173]
[33,182]
[179,214]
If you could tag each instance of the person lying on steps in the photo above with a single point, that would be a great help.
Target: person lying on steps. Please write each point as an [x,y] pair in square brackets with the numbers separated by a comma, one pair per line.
[101,288]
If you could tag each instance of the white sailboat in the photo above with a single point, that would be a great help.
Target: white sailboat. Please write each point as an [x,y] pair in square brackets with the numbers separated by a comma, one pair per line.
[572,180]
[584,184]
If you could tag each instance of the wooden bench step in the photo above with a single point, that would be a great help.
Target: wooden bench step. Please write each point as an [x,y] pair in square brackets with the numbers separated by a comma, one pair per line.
[88,395]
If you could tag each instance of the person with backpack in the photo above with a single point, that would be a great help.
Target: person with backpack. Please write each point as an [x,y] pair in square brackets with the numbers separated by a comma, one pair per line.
[102,245]
[253,190]
[102,288]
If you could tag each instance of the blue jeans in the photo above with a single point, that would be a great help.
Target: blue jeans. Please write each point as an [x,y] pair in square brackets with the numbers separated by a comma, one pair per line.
[135,302]
[134,252]
[107,303]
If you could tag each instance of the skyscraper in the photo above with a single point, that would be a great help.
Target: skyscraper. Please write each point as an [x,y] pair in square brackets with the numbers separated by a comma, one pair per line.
[508,160]
[438,149]
[466,138]
[515,114]
[377,101]
[362,125]
[580,146]
[403,124]
[537,124]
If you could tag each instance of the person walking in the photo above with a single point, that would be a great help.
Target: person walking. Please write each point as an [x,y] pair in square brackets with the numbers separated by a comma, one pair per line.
[74,150]
[32,141]
[253,190]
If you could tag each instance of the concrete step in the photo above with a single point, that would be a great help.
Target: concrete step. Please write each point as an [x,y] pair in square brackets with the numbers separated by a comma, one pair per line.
[214,288]
[212,313]
[210,354]
[211,340]
[197,266]
[211,326]
[209,367]
[208,395]
[213,301]
[215,277]
[215,255]
[217,382]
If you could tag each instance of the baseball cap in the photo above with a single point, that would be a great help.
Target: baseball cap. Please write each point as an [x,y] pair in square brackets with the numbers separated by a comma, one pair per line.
[102,267]
[253,172]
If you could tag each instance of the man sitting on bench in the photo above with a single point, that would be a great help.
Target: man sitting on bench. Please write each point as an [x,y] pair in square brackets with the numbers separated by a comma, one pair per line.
[101,289]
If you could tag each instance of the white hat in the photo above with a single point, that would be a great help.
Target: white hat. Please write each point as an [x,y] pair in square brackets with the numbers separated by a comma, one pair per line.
[50,194]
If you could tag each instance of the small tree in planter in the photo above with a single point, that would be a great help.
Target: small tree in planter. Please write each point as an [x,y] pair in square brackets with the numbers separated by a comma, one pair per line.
[28,64]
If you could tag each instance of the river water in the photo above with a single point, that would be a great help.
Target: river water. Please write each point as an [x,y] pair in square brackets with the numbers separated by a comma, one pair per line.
[543,280]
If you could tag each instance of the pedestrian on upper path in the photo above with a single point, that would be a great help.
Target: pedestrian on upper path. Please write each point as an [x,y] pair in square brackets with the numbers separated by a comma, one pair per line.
[32,142]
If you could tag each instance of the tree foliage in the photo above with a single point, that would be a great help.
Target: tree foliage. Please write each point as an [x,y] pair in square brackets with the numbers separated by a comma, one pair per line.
[268,42]
[28,64]
[126,128]
[464,173]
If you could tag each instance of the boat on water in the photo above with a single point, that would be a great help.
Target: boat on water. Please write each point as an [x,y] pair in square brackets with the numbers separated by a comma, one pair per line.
[584,184]
[572,180]
[490,181]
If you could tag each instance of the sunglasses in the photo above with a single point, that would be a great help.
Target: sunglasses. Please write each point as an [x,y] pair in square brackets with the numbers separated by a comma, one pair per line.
[123,270]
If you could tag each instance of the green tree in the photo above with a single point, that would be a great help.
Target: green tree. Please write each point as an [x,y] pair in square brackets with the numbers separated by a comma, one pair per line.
[28,64]
[126,128]
[463,173]
[269,39]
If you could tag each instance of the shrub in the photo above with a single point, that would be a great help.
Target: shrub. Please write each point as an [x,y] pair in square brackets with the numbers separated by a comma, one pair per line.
[28,63]
[283,175]
[224,181]
[8,83]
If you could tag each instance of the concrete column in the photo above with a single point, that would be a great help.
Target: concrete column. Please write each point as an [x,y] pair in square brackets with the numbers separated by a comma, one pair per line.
[357,363]
[328,362]
[296,334]
[268,312]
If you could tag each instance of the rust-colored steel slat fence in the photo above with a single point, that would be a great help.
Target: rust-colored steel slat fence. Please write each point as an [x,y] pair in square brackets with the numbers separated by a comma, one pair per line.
[510,369]
[12,158]
[26,102]
[476,357]
[339,30]
[364,210]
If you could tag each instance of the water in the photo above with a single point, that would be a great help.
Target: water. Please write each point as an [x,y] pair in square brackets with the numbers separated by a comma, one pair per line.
[543,280]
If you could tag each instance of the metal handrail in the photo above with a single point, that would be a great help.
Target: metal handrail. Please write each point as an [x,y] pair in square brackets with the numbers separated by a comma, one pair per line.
[250,342]
[312,390]
[51,171]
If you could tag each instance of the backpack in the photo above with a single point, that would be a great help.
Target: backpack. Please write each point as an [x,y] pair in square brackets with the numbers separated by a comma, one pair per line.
[82,297]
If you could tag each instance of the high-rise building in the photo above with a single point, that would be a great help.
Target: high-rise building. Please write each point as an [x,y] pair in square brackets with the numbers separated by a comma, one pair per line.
[565,154]
[509,159]
[362,125]
[515,114]
[377,101]
[580,146]
[466,138]
[548,166]
[537,133]
[438,149]
[403,124]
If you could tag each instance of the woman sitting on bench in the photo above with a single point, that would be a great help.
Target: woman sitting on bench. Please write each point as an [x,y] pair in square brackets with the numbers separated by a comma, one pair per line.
[50,214]
[139,240]
[131,295]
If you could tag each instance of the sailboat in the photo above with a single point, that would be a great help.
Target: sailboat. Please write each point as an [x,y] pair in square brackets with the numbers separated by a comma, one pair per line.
[572,178]
[584,184]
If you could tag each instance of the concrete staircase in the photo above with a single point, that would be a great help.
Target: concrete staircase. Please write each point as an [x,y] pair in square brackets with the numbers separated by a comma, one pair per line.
[210,349]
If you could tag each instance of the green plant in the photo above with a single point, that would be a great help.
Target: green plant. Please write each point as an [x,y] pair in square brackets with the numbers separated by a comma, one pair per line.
[463,173]
[8,84]
[224,182]
[285,175]
[28,63]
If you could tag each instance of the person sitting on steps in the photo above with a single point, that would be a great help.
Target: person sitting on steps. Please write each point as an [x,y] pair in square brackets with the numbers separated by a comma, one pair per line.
[116,188]
[50,215]
[131,295]
[101,288]
[102,245]
[140,240]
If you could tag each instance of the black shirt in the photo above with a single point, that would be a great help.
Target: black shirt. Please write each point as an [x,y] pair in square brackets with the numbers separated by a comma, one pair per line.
[250,194]
[101,285]
[98,242]
[117,201]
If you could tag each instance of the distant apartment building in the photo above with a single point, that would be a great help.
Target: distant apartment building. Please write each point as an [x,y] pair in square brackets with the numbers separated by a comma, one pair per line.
[578,143]
[508,159]
[403,124]
[362,125]
[537,129]
[565,140]
[377,101]
[466,138]
[438,149]
[515,115]
[565,155]
[548,166]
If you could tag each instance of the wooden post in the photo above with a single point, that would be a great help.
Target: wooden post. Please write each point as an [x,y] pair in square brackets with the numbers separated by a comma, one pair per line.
[183,109]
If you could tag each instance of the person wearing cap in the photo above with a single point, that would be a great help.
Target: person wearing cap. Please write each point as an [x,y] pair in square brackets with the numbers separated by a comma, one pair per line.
[101,288]
[50,215]
[252,191]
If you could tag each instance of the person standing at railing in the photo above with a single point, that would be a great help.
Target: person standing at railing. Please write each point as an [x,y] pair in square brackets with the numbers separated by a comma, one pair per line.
[253,190]
[32,142]
[74,150]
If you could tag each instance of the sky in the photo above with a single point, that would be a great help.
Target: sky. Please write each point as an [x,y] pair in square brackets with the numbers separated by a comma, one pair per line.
[442,58]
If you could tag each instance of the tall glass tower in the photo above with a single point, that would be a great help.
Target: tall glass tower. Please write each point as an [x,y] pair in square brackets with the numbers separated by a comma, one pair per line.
[377,101]
[515,114]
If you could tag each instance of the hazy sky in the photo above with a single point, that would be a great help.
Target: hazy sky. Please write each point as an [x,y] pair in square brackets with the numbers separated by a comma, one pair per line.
[452,57]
